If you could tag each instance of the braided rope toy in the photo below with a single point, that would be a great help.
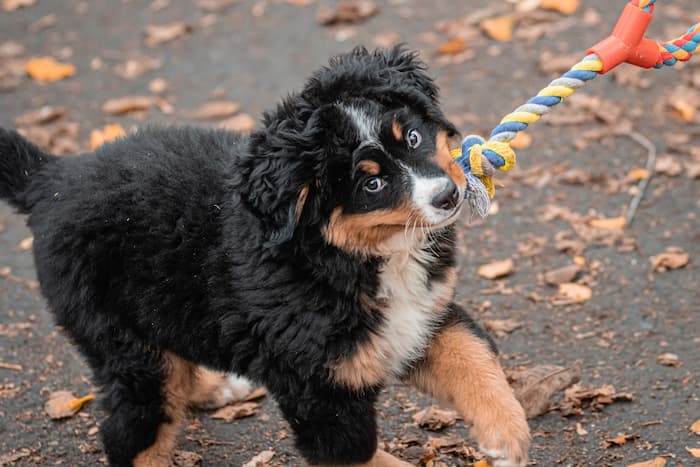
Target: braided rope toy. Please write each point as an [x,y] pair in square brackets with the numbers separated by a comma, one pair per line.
[480,159]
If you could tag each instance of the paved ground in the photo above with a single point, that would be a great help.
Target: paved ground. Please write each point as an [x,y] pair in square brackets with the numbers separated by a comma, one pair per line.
[254,52]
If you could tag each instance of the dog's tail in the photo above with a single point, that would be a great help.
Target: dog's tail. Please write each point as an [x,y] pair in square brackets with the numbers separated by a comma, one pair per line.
[19,162]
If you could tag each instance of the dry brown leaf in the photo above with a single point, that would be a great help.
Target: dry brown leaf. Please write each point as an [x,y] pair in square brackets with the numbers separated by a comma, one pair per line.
[656,462]
[63,404]
[243,123]
[695,427]
[45,114]
[502,327]
[160,34]
[212,6]
[256,394]
[348,11]
[621,439]
[570,294]
[568,7]
[682,109]
[136,67]
[672,259]
[496,269]
[522,141]
[215,110]
[551,64]
[105,135]
[124,105]
[668,165]
[234,411]
[158,86]
[535,386]
[614,223]
[577,397]
[434,418]
[562,275]
[580,430]
[26,244]
[386,39]
[58,138]
[186,459]
[452,47]
[11,49]
[12,457]
[45,69]
[499,28]
[12,5]
[261,459]
[695,452]
[669,359]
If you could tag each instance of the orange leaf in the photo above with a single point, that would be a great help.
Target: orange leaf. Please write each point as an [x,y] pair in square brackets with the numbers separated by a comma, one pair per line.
[499,28]
[48,69]
[452,47]
[522,141]
[482,463]
[683,110]
[615,223]
[695,427]
[107,134]
[695,452]
[496,269]
[656,462]
[638,174]
[568,7]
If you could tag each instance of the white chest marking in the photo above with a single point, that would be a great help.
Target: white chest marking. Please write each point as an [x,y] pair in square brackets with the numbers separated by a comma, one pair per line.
[410,317]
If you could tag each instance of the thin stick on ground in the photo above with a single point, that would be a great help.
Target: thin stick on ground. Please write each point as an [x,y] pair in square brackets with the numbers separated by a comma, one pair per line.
[644,183]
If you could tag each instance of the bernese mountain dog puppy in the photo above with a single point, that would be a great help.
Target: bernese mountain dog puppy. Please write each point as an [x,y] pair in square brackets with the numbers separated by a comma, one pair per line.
[315,256]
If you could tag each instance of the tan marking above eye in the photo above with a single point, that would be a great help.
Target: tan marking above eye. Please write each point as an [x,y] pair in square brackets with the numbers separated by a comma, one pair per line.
[397,130]
[369,167]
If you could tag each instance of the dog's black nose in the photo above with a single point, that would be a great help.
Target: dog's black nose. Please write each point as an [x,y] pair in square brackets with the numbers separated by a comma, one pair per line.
[448,198]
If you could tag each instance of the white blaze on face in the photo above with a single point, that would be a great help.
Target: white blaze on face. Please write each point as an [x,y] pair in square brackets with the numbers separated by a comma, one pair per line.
[424,191]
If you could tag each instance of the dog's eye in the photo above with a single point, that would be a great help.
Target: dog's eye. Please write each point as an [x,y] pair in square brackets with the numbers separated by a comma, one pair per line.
[374,184]
[413,138]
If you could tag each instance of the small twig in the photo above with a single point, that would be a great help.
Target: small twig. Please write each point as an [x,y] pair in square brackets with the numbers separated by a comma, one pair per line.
[10,366]
[644,183]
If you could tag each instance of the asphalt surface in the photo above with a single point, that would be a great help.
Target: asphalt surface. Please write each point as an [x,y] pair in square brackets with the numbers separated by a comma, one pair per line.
[255,52]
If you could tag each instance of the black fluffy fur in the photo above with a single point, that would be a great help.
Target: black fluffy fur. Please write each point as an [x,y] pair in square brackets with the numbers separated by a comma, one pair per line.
[186,240]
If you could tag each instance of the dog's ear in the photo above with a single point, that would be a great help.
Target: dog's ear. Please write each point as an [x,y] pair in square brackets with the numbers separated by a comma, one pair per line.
[285,162]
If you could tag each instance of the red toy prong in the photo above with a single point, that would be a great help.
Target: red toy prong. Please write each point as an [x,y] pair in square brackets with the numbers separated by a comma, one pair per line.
[627,42]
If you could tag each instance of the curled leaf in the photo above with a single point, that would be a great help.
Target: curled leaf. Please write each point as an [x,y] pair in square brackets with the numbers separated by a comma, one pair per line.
[63,404]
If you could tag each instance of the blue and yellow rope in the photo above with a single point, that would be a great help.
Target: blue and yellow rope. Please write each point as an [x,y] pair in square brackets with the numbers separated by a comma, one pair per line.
[478,158]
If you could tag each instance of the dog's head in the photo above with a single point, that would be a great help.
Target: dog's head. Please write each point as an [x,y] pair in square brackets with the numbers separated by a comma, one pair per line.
[361,155]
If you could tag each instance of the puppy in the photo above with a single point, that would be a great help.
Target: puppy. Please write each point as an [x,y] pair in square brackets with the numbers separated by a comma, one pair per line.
[316,257]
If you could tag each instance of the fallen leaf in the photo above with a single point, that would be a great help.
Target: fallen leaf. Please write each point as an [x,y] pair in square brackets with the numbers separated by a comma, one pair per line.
[348,11]
[695,452]
[45,69]
[570,294]
[440,442]
[45,114]
[12,457]
[568,7]
[580,430]
[682,109]
[672,259]
[63,404]
[695,427]
[638,174]
[621,440]
[12,5]
[215,110]
[522,141]
[656,462]
[234,411]
[11,49]
[58,137]
[158,86]
[256,394]
[535,386]
[136,67]
[452,47]
[243,123]
[496,269]
[386,39]
[26,244]
[261,459]
[502,327]
[105,135]
[614,223]
[186,459]
[482,463]
[124,105]
[668,165]
[499,28]
[551,64]
[214,5]
[434,418]
[300,2]
[562,275]
[669,359]
[160,34]
[578,397]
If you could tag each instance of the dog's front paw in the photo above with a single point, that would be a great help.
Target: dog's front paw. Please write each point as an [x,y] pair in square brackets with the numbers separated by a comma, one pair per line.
[505,436]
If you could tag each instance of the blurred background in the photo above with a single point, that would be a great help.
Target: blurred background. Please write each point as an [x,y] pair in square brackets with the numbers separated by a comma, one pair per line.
[555,275]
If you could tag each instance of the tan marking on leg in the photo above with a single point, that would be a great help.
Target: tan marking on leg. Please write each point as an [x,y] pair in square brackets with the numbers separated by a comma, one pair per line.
[447,162]
[369,167]
[206,391]
[365,367]
[448,290]
[461,369]
[176,392]
[397,130]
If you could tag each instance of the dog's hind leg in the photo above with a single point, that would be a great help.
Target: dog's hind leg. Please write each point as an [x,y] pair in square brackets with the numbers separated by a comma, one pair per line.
[461,368]
[213,389]
[146,395]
